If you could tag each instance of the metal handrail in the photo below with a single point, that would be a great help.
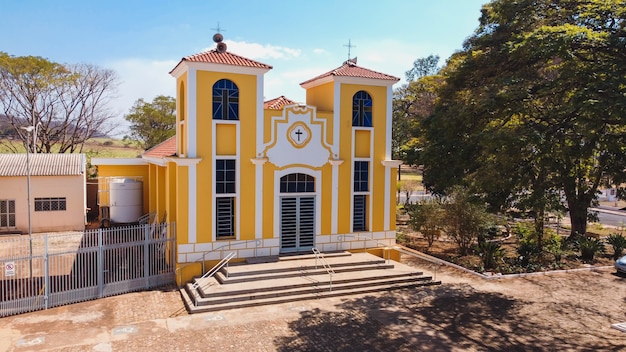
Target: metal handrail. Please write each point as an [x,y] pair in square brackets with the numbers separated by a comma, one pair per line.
[386,248]
[215,269]
[179,271]
[329,269]
[209,274]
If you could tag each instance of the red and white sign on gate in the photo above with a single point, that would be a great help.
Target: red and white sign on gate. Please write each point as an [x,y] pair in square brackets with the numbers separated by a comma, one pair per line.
[9,269]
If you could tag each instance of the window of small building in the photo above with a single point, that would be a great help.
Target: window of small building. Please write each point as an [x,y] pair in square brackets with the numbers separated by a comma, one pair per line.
[50,204]
[7,213]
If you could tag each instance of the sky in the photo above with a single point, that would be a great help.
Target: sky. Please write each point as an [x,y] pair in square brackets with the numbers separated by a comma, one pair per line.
[142,41]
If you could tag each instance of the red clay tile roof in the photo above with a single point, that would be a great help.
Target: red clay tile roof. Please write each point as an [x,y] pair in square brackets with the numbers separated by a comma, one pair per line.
[277,103]
[224,58]
[350,69]
[163,149]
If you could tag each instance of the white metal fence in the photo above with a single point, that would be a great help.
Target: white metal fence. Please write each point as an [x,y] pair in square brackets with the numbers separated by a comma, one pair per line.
[49,270]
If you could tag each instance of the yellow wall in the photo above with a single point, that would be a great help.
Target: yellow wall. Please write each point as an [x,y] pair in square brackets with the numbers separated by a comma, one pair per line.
[321,96]
[247,117]
[225,139]
[362,144]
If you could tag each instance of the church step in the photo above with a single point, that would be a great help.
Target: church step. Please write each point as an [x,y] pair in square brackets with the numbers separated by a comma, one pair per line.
[303,264]
[258,275]
[212,288]
[294,256]
[323,292]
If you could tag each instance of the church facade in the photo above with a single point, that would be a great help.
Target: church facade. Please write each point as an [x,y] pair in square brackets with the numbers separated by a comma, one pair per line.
[263,178]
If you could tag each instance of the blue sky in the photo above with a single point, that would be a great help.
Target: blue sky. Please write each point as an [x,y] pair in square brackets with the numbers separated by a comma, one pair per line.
[143,40]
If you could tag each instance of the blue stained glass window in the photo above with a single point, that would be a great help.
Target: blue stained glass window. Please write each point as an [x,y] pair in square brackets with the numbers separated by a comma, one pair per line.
[225,100]
[362,109]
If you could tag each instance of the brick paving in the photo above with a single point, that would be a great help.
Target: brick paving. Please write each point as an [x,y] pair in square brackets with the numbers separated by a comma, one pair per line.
[463,314]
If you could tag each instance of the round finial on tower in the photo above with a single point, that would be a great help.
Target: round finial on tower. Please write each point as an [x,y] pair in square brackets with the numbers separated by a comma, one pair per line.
[218,37]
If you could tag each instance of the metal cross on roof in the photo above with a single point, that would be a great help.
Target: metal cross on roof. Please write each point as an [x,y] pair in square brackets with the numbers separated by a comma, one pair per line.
[218,29]
[350,46]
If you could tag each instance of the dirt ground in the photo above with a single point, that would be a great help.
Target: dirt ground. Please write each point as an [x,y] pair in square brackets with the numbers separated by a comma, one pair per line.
[558,312]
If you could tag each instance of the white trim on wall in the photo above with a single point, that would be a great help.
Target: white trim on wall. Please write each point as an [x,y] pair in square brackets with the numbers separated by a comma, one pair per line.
[192,114]
[193,202]
[235,157]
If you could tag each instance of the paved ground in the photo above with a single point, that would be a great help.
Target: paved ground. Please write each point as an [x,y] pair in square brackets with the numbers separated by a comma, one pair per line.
[561,312]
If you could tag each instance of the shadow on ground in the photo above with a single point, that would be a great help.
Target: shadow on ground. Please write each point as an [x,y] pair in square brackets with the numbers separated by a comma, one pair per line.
[443,318]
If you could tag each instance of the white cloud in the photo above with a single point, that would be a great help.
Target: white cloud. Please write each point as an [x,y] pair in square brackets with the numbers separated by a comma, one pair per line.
[140,78]
[258,51]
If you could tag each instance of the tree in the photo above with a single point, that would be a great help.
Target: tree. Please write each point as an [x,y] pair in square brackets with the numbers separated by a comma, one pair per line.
[534,107]
[412,102]
[66,103]
[153,123]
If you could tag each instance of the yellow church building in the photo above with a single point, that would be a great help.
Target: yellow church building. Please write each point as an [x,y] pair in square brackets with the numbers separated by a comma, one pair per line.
[264,178]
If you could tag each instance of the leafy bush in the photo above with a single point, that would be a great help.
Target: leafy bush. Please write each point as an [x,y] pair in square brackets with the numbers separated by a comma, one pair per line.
[427,217]
[527,247]
[618,242]
[589,247]
[490,253]
[466,217]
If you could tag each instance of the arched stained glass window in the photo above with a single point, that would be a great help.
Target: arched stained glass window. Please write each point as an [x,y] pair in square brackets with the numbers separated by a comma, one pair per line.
[362,109]
[225,100]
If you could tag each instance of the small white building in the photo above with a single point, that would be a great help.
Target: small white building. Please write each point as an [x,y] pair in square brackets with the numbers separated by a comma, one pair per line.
[57,192]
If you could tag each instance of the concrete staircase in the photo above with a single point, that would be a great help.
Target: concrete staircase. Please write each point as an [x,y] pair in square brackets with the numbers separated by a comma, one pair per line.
[295,278]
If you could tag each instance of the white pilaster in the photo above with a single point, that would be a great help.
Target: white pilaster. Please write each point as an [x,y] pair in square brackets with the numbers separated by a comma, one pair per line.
[193,220]
[335,195]
[192,112]
[258,196]
[388,164]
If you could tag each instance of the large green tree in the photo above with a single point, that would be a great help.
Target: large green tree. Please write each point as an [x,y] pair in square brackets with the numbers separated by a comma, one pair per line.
[153,123]
[68,104]
[413,102]
[534,107]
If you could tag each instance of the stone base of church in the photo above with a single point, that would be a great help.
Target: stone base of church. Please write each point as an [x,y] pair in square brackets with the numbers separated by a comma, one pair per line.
[188,253]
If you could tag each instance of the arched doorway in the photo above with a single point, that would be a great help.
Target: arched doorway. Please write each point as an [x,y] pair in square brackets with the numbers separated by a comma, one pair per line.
[297,213]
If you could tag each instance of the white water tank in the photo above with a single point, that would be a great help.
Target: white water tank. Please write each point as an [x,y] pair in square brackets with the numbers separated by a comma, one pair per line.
[125,196]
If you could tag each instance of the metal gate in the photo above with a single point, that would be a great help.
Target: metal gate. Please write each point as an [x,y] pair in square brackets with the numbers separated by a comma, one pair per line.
[297,224]
[49,270]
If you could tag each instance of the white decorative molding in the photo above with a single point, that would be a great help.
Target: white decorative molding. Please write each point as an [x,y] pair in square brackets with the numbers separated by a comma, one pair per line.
[258,161]
[391,163]
[284,150]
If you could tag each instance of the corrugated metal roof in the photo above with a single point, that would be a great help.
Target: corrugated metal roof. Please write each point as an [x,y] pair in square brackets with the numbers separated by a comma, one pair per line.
[350,69]
[42,164]
[163,149]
